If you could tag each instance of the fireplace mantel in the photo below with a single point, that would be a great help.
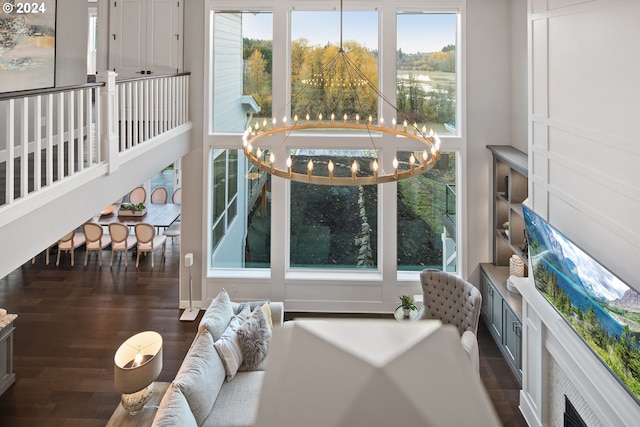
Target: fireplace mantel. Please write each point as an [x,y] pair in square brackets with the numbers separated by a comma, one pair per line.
[548,341]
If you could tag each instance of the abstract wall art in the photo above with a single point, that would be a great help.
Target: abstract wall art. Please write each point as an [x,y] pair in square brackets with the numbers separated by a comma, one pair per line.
[27,45]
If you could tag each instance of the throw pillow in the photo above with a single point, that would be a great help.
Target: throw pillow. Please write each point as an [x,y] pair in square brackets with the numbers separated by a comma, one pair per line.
[266,309]
[254,337]
[228,346]
[200,377]
[217,317]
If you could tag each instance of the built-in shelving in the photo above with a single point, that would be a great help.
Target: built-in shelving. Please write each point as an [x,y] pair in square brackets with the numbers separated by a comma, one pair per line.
[501,308]
[510,173]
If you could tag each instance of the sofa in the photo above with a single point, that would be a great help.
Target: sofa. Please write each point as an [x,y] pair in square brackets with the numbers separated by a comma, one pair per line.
[219,381]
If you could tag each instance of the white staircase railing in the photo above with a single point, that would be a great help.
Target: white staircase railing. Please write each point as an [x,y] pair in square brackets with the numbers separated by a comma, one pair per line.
[47,136]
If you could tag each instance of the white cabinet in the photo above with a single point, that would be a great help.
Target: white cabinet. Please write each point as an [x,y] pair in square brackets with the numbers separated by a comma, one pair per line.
[145,37]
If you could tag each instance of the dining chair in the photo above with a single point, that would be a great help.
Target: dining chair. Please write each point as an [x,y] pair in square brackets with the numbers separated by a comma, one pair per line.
[176,197]
[159,195]
[138,195]
[95,239]
[148,241]
[121,241]
[69,242]
[173,231]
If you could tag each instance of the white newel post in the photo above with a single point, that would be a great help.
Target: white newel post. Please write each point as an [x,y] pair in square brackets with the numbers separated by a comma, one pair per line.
[109,145]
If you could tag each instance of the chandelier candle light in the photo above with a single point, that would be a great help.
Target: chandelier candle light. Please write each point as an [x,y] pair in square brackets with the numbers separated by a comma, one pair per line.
[265,160]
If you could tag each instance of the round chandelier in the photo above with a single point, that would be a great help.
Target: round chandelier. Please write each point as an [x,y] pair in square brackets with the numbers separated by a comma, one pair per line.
[343,73]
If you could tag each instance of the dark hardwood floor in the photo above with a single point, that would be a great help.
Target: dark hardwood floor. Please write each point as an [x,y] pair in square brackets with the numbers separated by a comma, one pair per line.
[72,320]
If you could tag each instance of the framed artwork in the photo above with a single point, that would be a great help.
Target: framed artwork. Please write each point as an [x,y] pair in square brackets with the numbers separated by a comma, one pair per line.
[27,45]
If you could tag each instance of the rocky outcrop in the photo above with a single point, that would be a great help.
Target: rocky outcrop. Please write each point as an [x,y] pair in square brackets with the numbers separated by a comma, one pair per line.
[629,301]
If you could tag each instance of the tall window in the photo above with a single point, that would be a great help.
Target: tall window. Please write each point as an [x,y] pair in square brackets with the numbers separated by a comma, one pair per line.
[333,227]
[426,93]
[225,189]
[426,69]
[241,86]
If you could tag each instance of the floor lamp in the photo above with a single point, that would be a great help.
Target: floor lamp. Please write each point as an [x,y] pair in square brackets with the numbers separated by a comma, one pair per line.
[190,313]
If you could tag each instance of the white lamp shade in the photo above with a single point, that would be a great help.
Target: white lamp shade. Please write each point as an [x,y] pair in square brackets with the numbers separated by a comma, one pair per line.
[371,373]
[130,379]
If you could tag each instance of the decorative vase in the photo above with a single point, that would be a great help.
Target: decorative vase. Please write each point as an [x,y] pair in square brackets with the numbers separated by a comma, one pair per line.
[516,266]
[406,311]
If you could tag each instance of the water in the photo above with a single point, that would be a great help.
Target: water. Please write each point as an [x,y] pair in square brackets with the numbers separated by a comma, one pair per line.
[583,301]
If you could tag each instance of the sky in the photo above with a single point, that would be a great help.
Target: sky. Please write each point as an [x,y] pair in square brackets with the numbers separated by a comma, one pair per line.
[416,32]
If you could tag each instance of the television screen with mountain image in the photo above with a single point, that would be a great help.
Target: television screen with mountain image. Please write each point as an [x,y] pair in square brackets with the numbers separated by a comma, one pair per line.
[602,309]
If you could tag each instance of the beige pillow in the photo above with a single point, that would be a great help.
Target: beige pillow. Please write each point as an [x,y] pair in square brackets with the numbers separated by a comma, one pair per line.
[266,309]
[228,346]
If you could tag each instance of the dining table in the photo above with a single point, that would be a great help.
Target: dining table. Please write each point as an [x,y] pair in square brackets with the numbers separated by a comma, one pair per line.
[160,215]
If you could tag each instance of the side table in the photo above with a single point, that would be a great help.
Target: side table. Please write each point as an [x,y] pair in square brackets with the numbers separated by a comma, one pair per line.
[7,376]
[122,418]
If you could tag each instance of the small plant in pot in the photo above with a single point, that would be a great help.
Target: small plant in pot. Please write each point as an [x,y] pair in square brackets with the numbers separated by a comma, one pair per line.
[407,304]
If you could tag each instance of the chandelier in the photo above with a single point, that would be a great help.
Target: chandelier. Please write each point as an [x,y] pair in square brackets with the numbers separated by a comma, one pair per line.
[341,72]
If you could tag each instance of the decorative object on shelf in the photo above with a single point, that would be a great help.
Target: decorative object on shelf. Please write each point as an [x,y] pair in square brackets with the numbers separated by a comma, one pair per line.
[407,304]
[341,71]
[357,362]
[505,225]
[137,364]
[132,209]
[516,266]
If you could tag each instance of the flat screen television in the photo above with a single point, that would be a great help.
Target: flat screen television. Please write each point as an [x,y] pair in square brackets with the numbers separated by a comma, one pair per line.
[599,307]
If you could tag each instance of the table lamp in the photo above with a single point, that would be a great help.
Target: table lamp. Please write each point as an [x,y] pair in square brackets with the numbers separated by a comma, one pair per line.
[371,373]
[137,364]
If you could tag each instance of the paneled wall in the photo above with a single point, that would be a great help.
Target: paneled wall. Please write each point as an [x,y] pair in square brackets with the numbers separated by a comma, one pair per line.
[584,148]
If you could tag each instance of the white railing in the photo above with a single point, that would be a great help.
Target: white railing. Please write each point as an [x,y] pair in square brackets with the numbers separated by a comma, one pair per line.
[49,135]
[150,106]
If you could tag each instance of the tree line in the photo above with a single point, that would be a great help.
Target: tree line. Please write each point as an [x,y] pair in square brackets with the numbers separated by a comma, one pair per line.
[338,90]
[621,354]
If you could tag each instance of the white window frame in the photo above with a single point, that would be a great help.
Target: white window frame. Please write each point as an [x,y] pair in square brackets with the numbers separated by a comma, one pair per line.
[279,275]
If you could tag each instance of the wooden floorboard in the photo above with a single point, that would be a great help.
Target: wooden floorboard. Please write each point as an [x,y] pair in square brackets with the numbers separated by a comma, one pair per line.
[72,320]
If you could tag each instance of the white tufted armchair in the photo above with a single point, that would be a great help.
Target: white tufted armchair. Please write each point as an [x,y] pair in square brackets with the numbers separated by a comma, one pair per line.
[453,301]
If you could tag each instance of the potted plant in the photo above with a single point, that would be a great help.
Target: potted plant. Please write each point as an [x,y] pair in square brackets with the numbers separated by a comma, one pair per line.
[407,304]
[132,209]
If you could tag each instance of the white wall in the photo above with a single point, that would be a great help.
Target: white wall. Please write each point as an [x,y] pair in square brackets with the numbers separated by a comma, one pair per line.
[583,114]
[193,235]
[71,42]
[488,48]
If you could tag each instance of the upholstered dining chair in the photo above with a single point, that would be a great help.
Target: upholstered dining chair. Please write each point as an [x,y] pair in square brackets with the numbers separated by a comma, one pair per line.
[69,242]
[159,195]
[95,239]
[453,301]
[176,197]
[138,195]
[121,241]
[148,241]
